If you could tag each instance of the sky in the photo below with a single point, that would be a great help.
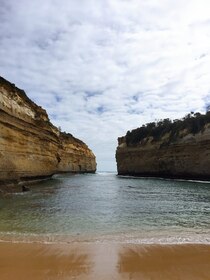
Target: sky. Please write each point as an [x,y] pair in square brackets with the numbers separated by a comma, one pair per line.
[103,67]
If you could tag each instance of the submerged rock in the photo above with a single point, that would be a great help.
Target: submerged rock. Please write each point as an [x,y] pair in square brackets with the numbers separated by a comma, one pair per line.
[25,189]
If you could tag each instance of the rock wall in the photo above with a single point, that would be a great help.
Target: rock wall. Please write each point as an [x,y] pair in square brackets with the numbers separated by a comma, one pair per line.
[188,157]
[30,146]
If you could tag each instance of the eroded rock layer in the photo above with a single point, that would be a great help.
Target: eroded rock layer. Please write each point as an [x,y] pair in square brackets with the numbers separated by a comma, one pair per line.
[188,157]
[30,146]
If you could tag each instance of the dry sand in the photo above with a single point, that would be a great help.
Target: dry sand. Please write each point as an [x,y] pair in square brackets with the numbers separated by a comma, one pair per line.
[20,261]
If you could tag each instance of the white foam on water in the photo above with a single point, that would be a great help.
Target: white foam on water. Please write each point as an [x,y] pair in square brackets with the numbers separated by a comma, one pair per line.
[11,237]
[106,173]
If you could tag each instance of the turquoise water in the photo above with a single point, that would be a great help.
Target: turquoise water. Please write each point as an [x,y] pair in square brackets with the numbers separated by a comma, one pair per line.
[105,206]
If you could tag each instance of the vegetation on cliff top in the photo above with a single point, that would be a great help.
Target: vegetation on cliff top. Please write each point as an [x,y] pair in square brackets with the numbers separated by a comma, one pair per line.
[191,123]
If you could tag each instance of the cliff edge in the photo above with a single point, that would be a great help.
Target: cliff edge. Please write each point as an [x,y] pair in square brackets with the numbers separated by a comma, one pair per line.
[170,149]
[31,147]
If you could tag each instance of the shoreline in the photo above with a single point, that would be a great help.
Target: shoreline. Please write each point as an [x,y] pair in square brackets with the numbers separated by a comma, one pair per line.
[11,187]
[138,238]
[104,261]
[161,176]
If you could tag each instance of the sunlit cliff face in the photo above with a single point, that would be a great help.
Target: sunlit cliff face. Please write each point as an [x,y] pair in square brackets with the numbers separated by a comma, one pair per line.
[31,147]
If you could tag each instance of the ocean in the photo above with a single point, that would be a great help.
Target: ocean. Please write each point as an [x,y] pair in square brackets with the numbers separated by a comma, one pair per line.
[105,207]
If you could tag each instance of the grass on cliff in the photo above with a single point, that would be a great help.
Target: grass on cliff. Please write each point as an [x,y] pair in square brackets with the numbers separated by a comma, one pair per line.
[191,123]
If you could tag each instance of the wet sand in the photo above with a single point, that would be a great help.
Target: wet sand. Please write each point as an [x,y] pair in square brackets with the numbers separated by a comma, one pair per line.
[91,261]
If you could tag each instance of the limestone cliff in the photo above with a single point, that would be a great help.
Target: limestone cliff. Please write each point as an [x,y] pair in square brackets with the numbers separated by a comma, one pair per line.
[30,146]
[185,156]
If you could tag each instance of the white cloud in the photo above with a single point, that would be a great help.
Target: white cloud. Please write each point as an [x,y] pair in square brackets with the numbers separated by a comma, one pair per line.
[101,68]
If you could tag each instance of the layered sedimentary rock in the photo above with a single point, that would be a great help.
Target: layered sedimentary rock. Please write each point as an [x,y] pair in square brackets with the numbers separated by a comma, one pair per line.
[30,146]
[187,157]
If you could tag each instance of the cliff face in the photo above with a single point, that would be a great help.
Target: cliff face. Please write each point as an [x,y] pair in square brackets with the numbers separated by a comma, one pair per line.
[30,146]
[187,157]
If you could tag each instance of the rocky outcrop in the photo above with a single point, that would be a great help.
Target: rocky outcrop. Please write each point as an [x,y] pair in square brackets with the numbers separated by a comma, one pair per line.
[30,146]
[187,157]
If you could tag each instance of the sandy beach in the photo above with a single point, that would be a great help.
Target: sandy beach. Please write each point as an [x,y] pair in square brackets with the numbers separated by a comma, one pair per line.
[22,261]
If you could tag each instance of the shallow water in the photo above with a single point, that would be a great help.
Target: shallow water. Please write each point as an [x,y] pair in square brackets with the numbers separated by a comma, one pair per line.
[105,206]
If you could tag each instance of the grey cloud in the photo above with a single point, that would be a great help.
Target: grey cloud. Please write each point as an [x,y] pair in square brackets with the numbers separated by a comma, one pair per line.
[101,68]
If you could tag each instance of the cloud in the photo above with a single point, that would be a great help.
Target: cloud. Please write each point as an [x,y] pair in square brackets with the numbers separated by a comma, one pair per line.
[101,68]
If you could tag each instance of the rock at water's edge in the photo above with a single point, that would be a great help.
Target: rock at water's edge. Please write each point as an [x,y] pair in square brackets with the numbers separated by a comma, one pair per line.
[187,157]
[30,146]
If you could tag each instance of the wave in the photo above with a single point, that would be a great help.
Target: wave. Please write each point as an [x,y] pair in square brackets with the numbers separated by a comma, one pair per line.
[11,237]
[106,173]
